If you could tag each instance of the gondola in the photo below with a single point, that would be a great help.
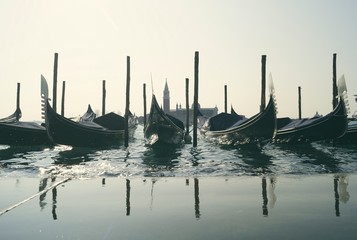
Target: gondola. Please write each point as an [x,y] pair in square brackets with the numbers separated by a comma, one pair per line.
[162,128]
[328,127]
[233,129]
[350,137]
[16,132]
[104,131]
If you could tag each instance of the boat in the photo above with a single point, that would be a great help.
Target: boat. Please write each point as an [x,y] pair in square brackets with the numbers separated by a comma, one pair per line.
[328,127]
[233,129]
[350,137]
[16,132]
[103,131]
[161,128]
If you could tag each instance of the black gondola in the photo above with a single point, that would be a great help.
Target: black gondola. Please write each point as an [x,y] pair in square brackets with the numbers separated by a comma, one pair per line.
[104,131]
[233,129]
[162,128]
[328,127]
[16,132]
[350,137]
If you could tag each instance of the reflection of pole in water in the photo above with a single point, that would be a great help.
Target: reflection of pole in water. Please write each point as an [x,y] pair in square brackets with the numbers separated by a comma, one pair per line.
[127,197]
[54,200]
[43,184]
[153,181]
[265,198]
[337,196]
[197,199]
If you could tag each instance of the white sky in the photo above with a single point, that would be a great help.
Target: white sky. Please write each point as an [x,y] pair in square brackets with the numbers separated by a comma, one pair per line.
[93,39]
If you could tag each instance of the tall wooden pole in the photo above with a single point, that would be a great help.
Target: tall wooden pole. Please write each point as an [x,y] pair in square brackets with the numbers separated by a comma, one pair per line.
[225,98]
[334,83]
[54,96]
[104,94]
[262,105]
[195,100]
[144,96]
[127,103]
[299,101]
[18,102]
[187,108]
[63,97]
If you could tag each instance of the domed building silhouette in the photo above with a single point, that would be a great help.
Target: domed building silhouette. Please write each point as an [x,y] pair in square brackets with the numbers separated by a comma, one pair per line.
[179,112]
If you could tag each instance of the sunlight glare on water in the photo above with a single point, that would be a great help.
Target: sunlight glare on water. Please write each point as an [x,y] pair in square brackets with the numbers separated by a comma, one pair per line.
[207,159]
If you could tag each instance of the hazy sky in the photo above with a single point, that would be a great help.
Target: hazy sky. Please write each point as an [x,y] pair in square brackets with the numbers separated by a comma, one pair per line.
[93,39]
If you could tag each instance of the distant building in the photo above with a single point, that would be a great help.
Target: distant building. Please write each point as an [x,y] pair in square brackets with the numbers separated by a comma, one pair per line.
[166,99]
[179,112]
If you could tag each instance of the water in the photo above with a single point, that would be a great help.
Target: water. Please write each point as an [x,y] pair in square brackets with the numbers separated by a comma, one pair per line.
[206,160]
[210,192]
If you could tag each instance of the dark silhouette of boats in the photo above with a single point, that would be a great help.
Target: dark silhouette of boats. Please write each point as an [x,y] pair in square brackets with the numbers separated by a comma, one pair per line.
[232,129]
[328,127]
[16,132]
[162,128]
[104,131]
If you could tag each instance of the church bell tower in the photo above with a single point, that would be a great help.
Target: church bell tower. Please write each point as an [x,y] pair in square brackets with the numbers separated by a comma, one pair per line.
[166,99]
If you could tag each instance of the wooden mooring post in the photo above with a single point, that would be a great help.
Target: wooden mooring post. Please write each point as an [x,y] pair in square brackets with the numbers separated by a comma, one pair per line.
[195,100]
[299,101]
[127,103]
[18,102]
[63,97]
[104,94]
[187,107]
[187,133]
[262,105]
[334,83]
[225,98]
[144,97]
[54,95]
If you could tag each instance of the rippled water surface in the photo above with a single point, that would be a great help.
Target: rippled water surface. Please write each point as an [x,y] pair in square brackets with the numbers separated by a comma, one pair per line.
[207,159]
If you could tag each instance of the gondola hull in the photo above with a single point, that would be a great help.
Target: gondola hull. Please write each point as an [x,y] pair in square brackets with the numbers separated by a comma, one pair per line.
[65,131]
[350,137]
[329,127]
[23,133]
[255,129]
[162,129]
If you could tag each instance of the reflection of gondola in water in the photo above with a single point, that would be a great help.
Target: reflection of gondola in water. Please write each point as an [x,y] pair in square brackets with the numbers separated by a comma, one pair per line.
[75,155]
[253,159]
[340,183]
[9,152]
[42,197]
[314,153]
[161,157]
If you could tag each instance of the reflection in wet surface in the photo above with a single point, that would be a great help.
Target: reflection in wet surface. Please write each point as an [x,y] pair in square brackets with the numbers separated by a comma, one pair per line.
[225,207]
